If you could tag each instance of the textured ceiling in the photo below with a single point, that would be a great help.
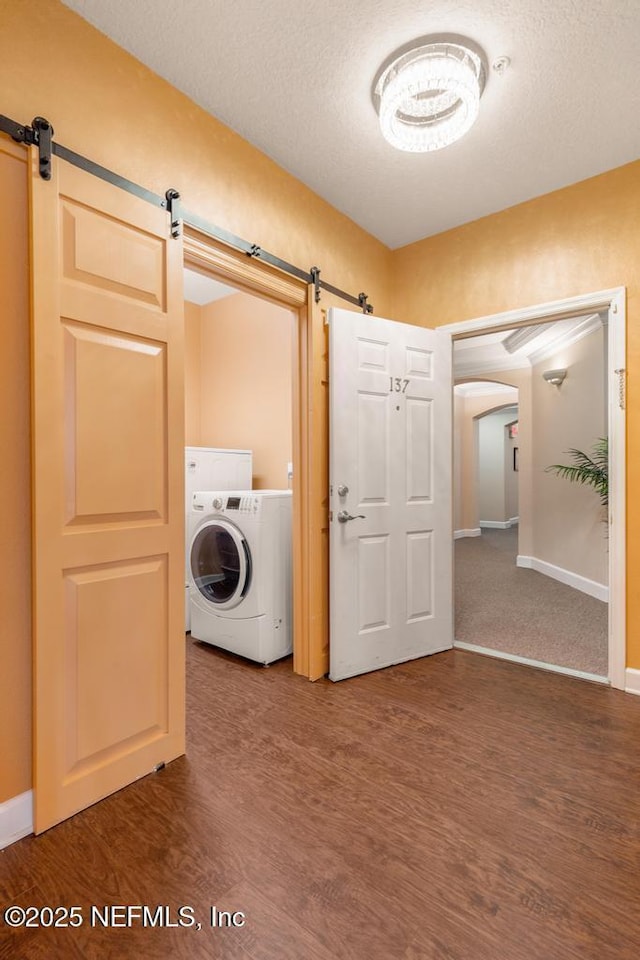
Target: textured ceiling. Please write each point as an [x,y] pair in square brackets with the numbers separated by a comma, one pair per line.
[294,78]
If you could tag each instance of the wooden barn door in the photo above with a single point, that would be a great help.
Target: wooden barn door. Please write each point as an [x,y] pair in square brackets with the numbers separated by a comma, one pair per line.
[108,444]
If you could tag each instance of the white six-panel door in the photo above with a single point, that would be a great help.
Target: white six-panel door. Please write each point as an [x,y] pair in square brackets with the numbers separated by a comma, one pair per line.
[391,589]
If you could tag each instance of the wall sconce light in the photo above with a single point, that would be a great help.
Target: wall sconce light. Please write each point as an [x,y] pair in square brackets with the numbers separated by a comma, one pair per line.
[554,376]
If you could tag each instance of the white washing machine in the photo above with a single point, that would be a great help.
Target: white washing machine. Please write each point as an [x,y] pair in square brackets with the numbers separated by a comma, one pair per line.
[240,578]
[211,468]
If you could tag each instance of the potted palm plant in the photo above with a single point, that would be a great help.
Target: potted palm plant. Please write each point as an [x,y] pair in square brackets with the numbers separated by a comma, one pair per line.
[592,470]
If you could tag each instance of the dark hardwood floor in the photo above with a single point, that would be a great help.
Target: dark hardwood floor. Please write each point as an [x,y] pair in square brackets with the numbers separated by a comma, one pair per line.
[453,808]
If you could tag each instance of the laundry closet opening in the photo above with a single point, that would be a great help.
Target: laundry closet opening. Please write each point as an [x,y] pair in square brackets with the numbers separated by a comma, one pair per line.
[239,377]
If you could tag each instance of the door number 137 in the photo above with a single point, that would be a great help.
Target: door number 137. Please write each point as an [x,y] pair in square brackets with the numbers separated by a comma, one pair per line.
[398,385]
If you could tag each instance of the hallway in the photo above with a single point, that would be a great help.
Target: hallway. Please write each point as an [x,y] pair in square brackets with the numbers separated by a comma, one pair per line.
[519,611]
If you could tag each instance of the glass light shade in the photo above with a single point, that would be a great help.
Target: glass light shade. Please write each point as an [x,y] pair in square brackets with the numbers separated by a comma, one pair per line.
[430,97]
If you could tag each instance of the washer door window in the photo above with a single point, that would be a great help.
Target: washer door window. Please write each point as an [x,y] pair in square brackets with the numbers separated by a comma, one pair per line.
[221,564]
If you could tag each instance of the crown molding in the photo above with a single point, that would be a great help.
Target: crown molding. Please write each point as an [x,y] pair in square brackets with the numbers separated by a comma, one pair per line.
[489,366]
[583,329]
[486,389]
[586,326]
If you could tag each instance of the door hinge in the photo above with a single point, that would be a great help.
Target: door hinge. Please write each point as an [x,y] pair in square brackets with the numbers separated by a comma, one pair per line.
[622,387]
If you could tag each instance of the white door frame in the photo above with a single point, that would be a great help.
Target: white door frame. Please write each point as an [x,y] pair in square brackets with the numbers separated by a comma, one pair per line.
[613,302]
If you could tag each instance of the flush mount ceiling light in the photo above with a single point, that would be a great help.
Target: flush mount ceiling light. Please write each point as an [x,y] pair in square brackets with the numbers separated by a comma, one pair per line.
[428,95]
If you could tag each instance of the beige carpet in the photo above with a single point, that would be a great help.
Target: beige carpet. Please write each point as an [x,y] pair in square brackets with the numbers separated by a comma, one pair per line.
[519,611]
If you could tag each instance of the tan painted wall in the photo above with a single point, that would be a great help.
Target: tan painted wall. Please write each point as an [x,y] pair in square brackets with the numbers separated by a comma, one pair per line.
[246,383]
[573,241]
[15,488]
[107,106]
[568,528]
[192,385]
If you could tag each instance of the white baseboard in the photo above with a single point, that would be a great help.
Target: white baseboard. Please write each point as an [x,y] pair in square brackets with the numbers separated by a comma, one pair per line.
[16,818]
[632,681]
[539,664]
[597,590]
[459,534]
[500,524]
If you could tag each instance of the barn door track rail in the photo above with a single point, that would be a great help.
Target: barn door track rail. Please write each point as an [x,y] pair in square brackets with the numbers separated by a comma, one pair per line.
[40,134]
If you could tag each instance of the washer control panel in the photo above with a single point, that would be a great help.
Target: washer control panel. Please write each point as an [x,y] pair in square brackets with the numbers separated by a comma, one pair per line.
[232,504]
[246,504]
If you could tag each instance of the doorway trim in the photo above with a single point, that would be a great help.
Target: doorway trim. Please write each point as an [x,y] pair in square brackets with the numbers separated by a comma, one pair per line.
[207,255]
[613,303]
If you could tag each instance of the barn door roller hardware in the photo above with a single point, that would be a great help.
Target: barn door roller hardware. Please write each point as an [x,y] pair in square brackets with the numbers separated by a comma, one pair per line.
[359,301]
[40,134]
[362,300]
[173,206]
[315,280]
[44,132]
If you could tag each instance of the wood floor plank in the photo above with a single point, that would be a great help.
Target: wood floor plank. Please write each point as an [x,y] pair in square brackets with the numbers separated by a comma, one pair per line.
[454,808]
[34,943]
[483,880]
